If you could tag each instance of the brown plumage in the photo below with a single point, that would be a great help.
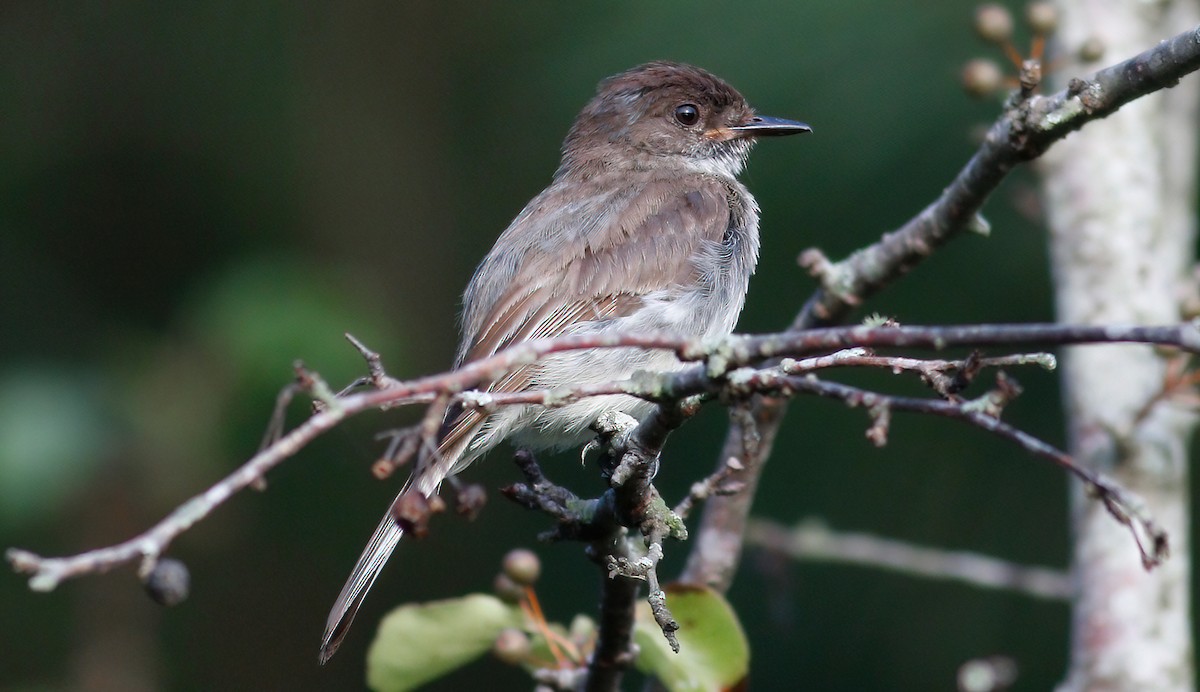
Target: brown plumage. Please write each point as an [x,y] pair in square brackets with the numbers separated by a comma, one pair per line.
[644,228]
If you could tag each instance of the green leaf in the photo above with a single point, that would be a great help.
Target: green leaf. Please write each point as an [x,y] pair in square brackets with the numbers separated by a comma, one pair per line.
[713,652]
[417,643]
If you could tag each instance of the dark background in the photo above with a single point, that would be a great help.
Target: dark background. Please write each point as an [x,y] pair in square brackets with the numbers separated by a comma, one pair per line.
[193,196]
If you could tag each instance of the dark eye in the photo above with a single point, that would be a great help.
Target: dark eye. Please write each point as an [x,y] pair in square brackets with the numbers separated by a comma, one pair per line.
[687,114]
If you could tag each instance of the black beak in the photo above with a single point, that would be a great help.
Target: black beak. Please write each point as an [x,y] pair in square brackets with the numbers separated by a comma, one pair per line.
[764,126]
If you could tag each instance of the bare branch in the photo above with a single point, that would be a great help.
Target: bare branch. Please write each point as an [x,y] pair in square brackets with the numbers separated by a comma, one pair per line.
[699,380]
[147,547]
[712,561]
[813,540]
[718,483]
[1023,132]
[1025,129]
[946,377]
[1126,508]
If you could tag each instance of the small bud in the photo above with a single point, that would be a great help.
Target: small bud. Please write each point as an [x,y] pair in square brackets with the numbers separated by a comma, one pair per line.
[412,511]
[1092,49]
[470,500]
[982,77]
[1031,75]
[988,674]
[168,582]
[993,23]
[582,629]
[506,589]
[382,469]
[512,646]
[522,566]
[1042,17]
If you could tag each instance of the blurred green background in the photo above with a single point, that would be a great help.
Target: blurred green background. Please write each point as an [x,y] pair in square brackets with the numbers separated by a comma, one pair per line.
[192,196]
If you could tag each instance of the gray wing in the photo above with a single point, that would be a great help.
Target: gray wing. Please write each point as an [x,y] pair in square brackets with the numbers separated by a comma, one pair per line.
[603,276]
[599,272]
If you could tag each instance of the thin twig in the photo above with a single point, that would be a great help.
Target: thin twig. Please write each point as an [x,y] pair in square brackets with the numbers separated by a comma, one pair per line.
[946,377]
[717,483]
[812,540]
[1127,509]
[48,573]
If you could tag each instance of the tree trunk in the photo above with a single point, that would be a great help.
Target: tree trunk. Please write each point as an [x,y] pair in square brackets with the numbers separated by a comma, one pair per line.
[1120,198]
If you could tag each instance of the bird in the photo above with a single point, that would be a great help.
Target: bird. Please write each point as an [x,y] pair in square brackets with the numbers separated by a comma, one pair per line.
[644,228]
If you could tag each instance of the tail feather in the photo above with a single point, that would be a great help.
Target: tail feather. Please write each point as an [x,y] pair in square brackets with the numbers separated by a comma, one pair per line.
[366,570]
[430,474]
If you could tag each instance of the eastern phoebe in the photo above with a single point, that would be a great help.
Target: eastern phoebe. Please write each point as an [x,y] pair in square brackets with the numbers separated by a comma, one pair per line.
[644,228]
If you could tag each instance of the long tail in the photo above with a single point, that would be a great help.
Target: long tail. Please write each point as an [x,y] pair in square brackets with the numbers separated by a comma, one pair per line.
[366,570]
[432,470]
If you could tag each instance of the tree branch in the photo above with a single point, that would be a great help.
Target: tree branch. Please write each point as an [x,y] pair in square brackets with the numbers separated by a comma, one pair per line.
[722,358]
[1026,128]
[1023,132]
[812,540]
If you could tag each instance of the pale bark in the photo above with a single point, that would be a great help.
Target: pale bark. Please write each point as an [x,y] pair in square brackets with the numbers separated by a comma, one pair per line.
[1120,199]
